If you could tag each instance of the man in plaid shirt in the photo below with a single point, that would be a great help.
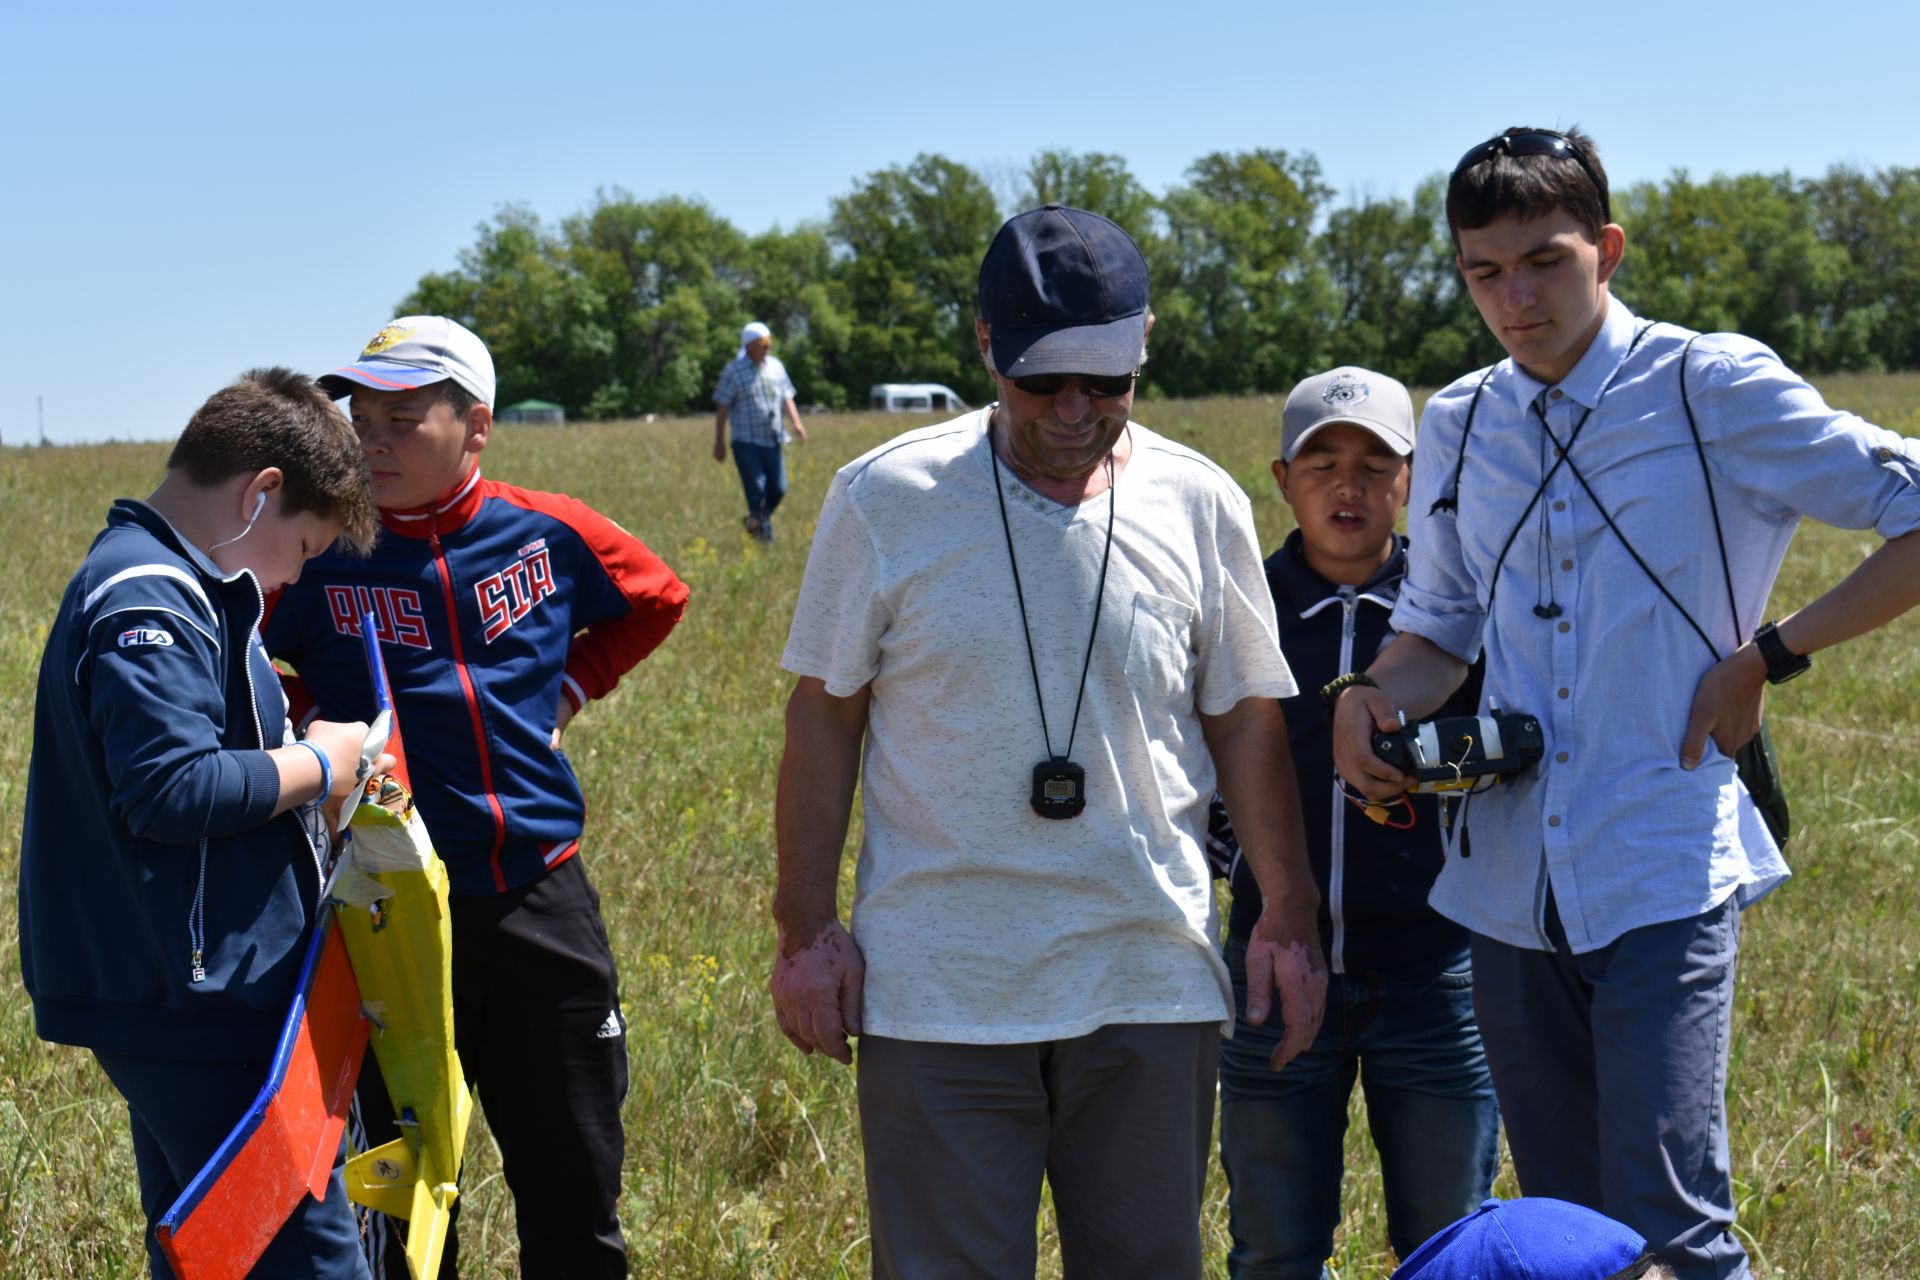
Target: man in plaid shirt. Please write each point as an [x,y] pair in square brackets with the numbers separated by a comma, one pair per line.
[755,392]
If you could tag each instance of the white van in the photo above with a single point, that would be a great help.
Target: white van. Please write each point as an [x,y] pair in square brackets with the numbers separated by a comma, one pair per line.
[914,397]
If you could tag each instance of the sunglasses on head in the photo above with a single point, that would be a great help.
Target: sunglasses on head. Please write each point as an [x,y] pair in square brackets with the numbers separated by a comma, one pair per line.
[1536,142]
[1100,386]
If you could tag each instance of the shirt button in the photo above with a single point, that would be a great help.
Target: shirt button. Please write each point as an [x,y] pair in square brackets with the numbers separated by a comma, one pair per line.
[1561,758]
[1566,564]
[1565,627]
[1883,453]
[1566,693]
[1554,821]
[1555,393]
[1559,506]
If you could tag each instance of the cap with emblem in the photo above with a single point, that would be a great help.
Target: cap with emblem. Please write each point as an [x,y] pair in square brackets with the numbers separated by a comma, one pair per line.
[1532,1238]
[1347,394]
[1064,291]
[414,351]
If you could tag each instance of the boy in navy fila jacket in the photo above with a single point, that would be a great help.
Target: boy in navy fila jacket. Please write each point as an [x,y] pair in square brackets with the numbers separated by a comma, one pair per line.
[1400,995]
[502,612]
[173,853]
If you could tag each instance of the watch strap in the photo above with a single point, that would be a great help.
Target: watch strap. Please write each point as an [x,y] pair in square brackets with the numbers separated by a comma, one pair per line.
[1783,664]
[1330,693]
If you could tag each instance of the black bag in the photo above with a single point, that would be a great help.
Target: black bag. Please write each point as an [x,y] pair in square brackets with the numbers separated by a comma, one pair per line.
[1760,770]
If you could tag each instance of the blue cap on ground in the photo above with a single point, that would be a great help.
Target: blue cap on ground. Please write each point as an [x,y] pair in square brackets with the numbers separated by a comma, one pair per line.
[1064,291]
[1527,1239]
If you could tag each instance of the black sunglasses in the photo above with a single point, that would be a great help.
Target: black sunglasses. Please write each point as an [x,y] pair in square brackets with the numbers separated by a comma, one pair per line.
[1536,142]
[1098,386]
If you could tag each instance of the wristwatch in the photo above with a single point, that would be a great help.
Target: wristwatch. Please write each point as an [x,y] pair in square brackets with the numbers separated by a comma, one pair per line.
[1783,664]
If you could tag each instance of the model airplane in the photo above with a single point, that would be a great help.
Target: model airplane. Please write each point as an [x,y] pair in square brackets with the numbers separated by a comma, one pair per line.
[377,974]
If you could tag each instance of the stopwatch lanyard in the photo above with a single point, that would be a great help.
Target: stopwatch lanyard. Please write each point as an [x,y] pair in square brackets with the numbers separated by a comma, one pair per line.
[1099,598]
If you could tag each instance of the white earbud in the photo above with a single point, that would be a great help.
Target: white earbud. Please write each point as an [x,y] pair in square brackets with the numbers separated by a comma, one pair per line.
[259,505]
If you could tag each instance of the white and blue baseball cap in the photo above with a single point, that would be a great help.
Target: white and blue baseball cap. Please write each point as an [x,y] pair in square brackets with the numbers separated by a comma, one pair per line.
[414,351]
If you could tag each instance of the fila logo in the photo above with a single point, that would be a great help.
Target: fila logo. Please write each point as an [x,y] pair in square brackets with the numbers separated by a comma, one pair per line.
[510,594]
[142,637]
[398,615]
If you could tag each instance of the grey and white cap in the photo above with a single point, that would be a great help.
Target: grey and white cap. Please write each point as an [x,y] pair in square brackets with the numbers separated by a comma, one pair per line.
[413,351]
[1369,400]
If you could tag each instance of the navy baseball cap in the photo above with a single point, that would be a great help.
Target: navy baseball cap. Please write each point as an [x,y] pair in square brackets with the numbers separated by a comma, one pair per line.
[1064,291]
[1533,1238]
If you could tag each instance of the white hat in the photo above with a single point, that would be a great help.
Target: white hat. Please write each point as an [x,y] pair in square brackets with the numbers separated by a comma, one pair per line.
[414,351]
[1371,401]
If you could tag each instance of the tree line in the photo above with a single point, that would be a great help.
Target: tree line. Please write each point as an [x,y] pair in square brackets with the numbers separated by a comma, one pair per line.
[1259,277]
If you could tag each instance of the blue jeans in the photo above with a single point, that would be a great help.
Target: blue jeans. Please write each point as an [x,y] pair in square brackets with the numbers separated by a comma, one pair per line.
[1612,1071]
[763,474]
[1415,1048]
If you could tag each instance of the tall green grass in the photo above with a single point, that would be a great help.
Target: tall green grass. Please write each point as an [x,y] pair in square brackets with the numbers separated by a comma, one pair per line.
[742,1157]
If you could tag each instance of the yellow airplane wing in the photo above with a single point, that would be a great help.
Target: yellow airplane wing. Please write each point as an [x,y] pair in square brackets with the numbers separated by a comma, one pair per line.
[392,909]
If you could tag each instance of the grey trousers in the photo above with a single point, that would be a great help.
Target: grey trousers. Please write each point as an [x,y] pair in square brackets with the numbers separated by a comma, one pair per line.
[958,1136]
[1611,1070]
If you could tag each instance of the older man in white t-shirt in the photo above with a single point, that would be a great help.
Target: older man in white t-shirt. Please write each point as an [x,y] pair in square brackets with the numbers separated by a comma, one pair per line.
[1049,629]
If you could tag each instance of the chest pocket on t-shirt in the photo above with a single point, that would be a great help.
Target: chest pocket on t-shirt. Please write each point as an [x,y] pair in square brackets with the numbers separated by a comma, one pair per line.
[1159,649]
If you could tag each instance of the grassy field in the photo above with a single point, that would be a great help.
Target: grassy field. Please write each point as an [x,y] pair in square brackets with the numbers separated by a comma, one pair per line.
[742,1157]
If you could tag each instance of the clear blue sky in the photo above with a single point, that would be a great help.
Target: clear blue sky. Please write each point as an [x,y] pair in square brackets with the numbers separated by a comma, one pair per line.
[191,189]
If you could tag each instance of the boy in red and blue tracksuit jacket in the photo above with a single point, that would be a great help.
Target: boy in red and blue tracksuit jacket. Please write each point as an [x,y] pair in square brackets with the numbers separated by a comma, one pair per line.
[492,606]
[501,613]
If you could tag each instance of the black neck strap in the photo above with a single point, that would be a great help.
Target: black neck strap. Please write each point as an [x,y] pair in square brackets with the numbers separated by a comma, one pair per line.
[1450,500]
[1099,598]
[1713,505]
[1562,451]
[1719,536]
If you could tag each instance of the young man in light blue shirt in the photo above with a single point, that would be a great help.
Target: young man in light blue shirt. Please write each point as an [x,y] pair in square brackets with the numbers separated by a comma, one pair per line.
[1615,572]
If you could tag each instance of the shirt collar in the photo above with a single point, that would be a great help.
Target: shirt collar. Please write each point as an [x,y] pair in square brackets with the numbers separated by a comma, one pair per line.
[133,511]
[1291,576]
[1589,378]
[453,509]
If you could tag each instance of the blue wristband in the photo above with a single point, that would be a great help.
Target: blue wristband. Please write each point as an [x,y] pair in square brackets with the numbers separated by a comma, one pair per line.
[326,770]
